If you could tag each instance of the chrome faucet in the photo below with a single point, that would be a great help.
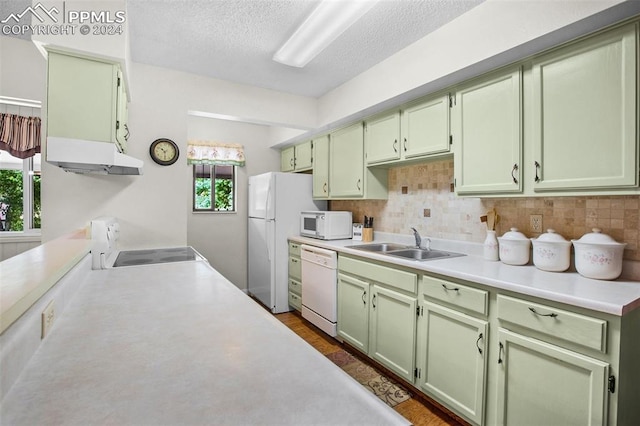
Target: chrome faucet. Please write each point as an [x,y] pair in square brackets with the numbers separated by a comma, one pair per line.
[418,238]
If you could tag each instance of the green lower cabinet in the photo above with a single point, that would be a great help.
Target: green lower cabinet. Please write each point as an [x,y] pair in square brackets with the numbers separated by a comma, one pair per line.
[543,384]
[353,311]
[452,359]
[392,335]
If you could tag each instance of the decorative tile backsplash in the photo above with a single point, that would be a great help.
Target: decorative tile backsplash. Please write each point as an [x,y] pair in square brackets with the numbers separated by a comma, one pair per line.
[422,196]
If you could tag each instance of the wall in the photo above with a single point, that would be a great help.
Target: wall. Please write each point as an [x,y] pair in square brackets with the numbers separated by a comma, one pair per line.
[222,237]
[458,218]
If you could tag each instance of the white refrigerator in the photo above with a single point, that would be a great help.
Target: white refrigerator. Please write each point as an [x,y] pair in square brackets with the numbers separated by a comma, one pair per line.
[275,202]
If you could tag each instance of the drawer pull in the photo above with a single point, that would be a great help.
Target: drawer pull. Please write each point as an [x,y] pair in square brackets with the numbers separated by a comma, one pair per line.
[551,315]
[364,294]
[478,341]
[373,301]
[294,260]
[500,353]
[456,289]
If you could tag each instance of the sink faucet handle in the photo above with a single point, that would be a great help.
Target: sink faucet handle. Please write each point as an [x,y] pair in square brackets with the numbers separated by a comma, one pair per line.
[428,247]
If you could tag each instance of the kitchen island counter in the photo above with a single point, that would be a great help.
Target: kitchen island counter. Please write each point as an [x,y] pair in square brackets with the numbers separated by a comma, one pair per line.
[617,297]
[179,344]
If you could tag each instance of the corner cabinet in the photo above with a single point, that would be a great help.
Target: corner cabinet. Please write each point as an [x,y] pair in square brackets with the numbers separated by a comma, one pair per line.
[487,135]
[298,158]
[585,102]
[86,99]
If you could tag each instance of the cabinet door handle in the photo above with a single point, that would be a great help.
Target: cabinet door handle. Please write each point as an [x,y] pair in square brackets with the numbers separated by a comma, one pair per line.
[537,178]
[324,188]
[294,260]
[364,294]
[395,145]
[513,170]
[126,136]
[373,301]
[501,348]
[551,315]
[477,345]
[405,145]
[456,289]
[358,185]
[291,162]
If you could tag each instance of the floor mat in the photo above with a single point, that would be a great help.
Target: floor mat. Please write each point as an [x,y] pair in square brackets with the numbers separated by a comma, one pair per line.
[389,392]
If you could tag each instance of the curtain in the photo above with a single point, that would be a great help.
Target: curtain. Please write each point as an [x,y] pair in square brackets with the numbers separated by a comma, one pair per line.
[208,152]
[19,136]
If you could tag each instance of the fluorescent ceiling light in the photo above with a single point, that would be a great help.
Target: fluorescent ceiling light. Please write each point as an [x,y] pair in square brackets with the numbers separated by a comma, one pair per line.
[325,24]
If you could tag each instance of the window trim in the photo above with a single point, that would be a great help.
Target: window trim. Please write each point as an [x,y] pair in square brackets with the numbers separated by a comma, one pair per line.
[212,210]
[28,232]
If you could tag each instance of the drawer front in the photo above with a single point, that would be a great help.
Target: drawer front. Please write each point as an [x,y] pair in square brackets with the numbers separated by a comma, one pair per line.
[388,276]
[455,294]
[295,287]
[559,323]
[295,301]
[295,268]
[294,249]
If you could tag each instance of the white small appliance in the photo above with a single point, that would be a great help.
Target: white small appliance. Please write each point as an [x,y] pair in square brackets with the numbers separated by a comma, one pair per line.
[275,202]
[326,225]
[320,288]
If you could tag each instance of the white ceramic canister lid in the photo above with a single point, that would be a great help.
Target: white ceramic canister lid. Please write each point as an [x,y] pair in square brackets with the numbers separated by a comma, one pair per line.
[551,237]
[597,237]
[514,235]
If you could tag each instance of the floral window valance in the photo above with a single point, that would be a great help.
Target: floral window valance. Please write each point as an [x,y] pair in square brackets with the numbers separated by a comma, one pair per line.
[208,152]
[19,135]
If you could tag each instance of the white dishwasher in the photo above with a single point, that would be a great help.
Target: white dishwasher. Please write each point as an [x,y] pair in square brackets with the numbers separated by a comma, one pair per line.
[320,288]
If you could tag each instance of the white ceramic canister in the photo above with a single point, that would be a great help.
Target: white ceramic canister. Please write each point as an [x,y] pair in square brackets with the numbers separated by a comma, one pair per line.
[551,252]
[491,246]
[598,256]
[514,248]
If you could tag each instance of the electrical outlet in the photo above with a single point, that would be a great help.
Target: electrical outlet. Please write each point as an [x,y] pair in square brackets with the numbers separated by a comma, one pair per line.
[48,315]
[535,223]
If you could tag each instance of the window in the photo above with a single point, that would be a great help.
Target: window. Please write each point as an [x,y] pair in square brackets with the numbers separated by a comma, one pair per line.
[19,193]
[214,188]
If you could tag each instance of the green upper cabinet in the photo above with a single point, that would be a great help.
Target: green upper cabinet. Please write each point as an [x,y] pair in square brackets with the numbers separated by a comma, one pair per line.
[585,114]
[418,131]
[425,128]
[382,138]
[86,99]
[487,135]
[287,159]
[321,167]
[348,177]
[298,158]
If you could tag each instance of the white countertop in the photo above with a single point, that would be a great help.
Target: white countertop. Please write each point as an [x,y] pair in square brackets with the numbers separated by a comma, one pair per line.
[179,344]
[616,297]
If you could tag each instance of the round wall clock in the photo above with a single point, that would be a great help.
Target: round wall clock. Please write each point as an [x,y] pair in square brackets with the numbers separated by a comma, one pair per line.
[164,151]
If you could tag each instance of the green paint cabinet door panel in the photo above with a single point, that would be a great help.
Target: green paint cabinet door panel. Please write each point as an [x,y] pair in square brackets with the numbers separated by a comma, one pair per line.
[488,136]
[382,138]
[353,311]
[452,359]
[82,98]
[287,159]
[321,167]
[425,128]
[543,384]
[346,162]
[303,157]
[393,331]
[122,115]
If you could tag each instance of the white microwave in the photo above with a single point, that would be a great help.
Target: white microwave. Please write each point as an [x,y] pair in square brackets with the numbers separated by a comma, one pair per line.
[326,225]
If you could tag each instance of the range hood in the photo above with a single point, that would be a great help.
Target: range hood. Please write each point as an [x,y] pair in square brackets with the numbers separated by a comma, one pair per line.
[82,156]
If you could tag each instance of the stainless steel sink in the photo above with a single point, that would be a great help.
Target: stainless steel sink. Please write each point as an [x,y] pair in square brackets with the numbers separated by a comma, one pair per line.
[379,247]
[398,250]
[421,254]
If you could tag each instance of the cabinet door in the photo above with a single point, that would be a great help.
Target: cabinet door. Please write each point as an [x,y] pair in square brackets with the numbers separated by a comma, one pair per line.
[303,156]
[122,115]
[81,98]
[584,115]
[425,128]
[452,359]
[542,384]
[382,138]
[393,331]
[287,159]
[346,162]
[321,167]
[353,311]
[488,137]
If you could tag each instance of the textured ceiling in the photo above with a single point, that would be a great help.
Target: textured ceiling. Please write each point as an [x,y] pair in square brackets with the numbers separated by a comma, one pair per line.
[235,39]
